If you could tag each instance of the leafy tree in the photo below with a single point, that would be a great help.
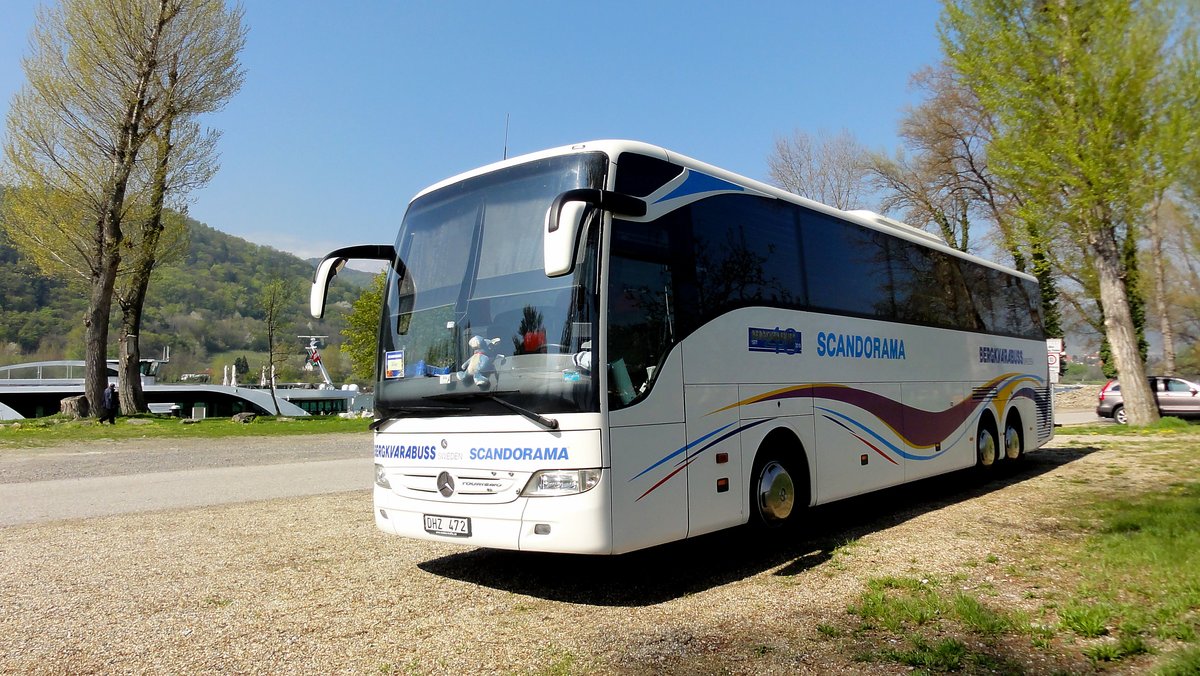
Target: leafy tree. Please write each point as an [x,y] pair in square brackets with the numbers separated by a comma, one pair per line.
[200,73]
[1084,96]
[74,133]
[948,185]
[103,79]
[274,302]
[362,330]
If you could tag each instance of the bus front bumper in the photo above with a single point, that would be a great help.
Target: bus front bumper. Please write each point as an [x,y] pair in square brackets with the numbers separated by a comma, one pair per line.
[577,524]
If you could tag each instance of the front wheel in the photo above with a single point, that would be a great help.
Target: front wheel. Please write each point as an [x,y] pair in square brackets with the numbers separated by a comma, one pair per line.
[773,493]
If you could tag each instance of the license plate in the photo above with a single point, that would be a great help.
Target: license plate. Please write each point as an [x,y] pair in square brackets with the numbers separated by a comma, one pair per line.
[455,526]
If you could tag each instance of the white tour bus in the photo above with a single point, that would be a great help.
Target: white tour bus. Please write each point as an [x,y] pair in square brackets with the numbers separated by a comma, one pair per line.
[608,346]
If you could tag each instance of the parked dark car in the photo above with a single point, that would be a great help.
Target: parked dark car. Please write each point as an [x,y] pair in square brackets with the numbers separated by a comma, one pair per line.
[1176,397]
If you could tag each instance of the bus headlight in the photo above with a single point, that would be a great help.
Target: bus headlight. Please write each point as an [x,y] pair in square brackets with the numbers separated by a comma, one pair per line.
[381,477]
[549,482]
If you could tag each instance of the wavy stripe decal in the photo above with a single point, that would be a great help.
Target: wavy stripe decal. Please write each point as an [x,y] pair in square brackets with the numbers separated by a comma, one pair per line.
[688,459]
[925,429]
[681,450]
[922,429]
[854,434]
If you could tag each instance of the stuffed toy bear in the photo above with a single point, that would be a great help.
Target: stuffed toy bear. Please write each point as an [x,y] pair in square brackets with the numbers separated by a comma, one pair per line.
[480,363]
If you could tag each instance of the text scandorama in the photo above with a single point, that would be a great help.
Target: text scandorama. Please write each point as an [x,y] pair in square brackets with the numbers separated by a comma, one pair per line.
[859,346]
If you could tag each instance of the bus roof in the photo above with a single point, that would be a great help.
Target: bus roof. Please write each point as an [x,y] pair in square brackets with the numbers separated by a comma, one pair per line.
[614,147]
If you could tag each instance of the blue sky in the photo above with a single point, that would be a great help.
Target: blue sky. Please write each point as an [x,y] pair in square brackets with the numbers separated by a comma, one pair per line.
[349,108]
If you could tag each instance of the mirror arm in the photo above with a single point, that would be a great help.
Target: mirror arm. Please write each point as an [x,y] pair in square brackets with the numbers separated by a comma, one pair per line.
[333,263]
[604,199]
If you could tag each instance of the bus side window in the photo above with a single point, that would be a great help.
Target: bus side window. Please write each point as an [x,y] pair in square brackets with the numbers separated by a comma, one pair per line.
[640,324]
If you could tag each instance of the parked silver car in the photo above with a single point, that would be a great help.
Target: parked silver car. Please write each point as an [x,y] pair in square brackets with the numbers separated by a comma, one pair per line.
[1176,397]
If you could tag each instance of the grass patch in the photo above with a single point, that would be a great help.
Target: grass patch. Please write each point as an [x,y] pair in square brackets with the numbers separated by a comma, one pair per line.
[908,604]
[948,654]
[1182,663]
[560,663]
[56,430]
[1087,620]
[1164,426]
[898,603]
[1115,651]
[1135,586]
[1142,564]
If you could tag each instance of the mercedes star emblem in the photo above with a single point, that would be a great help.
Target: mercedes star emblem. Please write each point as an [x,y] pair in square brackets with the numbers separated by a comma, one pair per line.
[445,484]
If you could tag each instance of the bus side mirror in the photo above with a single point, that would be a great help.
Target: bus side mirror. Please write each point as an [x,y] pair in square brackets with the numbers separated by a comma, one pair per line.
[333,264]
[564,220]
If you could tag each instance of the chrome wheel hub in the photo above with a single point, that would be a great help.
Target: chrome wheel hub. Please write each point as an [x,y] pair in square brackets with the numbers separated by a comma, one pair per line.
[776,493]
[986,446]
[1012,444]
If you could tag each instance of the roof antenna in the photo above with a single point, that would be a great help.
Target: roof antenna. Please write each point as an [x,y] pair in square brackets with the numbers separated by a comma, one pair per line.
[505,155]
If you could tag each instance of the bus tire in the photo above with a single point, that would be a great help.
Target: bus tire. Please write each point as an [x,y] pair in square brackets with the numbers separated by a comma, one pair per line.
[1014,441]
[987,446]
[778,492]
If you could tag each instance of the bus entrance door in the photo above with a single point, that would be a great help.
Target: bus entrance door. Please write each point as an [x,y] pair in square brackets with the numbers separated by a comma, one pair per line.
[714,459]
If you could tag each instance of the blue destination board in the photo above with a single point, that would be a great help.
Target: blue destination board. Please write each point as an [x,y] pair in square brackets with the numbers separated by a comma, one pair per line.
[777,340]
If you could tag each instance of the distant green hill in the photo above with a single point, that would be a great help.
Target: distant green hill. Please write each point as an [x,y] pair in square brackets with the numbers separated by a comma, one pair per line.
[207,304]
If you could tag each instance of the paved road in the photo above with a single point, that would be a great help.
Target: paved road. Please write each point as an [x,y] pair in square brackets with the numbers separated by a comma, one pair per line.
[106,478]
[1079,417]
[102,478]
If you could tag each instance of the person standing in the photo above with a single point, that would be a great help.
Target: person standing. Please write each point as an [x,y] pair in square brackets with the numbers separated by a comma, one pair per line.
[110,405]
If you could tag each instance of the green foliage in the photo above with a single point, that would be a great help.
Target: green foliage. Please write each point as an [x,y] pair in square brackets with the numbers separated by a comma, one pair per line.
[205,303]
[1087,619]
[948,654]
[362,329]
[1093,108]
[1184,663]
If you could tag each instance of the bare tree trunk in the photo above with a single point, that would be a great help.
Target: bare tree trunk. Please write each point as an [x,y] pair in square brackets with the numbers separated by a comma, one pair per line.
[95,354]
[1140,406]
[133,397]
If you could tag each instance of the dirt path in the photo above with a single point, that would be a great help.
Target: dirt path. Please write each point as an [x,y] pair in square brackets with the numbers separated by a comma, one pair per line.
[308,585]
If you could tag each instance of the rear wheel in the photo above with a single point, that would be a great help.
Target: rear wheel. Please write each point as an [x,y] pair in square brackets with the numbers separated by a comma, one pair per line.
[987,448]
[1013,448]
[1119,415]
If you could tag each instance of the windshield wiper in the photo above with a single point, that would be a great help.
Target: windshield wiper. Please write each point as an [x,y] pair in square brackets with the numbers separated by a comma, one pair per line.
[549,423]
[391,410]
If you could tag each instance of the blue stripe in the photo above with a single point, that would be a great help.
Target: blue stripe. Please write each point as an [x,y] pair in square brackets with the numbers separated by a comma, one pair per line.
[697,182]
[681,450]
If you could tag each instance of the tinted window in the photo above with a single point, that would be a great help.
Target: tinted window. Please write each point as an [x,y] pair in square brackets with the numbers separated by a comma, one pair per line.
[639,175]
[747,252]
[649,301]
[929,288]
[848,267]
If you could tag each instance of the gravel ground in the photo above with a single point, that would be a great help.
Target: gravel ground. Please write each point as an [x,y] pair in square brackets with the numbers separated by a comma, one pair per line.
[1081,398]
[308,585]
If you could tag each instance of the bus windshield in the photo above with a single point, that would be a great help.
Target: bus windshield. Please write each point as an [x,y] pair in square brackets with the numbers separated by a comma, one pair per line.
[470,320]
